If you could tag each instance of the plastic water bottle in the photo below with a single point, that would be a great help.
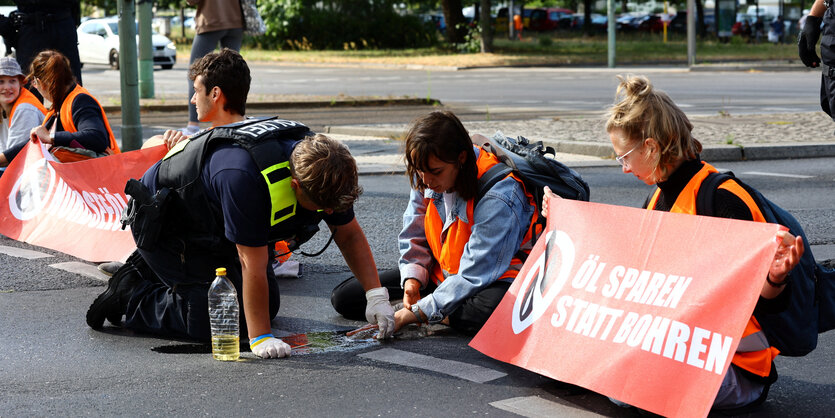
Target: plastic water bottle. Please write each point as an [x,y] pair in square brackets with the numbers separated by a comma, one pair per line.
[223,318]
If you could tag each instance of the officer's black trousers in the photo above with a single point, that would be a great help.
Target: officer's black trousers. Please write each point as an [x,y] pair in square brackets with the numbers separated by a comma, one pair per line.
[173,303]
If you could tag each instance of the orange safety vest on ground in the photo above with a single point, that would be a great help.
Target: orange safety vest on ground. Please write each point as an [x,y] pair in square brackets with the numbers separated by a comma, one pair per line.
[448,246]
[26,96]
[64,154]
[753,353]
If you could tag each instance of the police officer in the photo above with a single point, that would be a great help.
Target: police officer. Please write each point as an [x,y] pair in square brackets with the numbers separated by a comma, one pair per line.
[217,200]
[806,42]
[44,24]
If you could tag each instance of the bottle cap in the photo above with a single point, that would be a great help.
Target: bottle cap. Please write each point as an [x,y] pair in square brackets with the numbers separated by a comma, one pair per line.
[220,271]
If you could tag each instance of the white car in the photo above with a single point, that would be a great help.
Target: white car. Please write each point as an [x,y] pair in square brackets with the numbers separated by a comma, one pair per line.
[98,43]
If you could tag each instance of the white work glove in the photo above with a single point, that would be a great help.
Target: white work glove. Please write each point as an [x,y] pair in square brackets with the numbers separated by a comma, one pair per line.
[378,311]
[267,346]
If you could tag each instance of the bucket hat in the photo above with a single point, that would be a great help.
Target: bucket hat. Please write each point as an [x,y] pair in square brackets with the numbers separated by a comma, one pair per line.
[9,67]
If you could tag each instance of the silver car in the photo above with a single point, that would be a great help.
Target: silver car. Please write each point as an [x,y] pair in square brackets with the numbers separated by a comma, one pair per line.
[98,43]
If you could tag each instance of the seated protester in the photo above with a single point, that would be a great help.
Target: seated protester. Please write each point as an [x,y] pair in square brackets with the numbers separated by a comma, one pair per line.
[221,210]
[22,111]
[457,257]
[75,126]
[652,139]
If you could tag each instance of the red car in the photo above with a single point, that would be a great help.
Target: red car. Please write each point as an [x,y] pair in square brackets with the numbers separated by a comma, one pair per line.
[548,18]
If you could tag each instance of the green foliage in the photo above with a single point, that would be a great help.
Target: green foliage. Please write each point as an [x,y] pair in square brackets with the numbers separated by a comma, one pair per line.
[545,41]
[340,24]
[472,39]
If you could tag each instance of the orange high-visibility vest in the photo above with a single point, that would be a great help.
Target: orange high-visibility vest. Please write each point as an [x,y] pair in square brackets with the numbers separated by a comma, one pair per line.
[65,115]
[26,96]
[448,246]
[754,353]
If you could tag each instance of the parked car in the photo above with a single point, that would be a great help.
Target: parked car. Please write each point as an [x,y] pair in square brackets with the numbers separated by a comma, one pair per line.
[649,23]
[98,43]
[546,19]
[598,22]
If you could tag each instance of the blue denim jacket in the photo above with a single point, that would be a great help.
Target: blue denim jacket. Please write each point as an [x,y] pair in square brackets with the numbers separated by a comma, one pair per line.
[502,219]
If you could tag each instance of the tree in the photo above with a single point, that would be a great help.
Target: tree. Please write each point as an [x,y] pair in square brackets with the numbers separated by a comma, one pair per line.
[587,27]
[486,27]
[454,17]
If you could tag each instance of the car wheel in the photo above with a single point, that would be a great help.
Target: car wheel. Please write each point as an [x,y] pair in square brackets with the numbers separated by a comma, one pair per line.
[167,66]
[114,59]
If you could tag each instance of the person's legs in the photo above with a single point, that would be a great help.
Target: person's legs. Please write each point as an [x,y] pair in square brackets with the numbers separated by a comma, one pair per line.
[348,297]
[738,391]
[176,309]
[473,313]
[232,39]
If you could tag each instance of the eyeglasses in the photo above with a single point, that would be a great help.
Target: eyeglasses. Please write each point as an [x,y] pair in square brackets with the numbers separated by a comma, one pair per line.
[621,158]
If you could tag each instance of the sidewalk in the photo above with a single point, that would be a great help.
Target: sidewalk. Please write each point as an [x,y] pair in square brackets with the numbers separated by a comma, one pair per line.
[582,141]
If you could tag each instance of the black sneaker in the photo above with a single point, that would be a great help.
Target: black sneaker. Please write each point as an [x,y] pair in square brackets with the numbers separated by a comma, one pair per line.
[113,302]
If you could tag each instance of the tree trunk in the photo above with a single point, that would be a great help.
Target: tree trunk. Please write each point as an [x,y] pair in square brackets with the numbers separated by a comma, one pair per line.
[700,19]
[624,6]
[454,18]
[587,28]
[486,27]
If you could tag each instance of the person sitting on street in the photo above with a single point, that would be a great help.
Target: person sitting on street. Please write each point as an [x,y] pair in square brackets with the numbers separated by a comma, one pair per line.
[224,206]
[75,126]
[458,254]
[652,139]
[22,111]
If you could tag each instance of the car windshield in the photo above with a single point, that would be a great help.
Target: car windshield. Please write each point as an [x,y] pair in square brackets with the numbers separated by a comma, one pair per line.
[114,27]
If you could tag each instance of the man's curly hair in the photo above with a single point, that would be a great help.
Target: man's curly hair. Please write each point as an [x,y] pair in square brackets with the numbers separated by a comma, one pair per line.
[326,171]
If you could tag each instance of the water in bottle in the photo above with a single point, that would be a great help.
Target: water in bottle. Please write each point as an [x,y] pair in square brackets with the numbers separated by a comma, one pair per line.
[223,318]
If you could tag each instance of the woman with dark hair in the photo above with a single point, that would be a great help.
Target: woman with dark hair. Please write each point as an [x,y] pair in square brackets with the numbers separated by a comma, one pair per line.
[458,254]
[75,125]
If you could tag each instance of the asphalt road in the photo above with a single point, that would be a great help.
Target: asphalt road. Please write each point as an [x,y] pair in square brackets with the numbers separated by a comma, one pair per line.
[51,363]
[557,90]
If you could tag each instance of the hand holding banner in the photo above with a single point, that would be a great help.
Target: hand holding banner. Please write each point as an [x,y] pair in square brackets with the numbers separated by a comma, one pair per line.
[643,306]
[71,207]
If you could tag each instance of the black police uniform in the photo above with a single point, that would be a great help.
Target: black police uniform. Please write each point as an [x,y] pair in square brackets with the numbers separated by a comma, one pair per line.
[44,24]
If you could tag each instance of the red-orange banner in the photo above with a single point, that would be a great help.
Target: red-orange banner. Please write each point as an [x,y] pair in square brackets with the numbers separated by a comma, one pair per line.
[643,306]
[71,207]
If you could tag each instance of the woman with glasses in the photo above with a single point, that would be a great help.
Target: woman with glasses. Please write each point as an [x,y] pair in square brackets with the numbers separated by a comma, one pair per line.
[75,126]
[22,111]
[458,257]
[653,141]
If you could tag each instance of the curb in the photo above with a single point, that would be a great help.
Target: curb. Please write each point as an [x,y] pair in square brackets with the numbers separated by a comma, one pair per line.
[601,150]
[292,105]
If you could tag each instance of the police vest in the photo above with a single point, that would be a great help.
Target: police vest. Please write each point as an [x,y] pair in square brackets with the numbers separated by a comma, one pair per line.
[753,353]
[448,245]
[26,96]
[67,154]
[269,143]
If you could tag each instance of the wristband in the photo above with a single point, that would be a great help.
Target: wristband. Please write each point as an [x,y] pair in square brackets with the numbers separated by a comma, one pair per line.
[774,284]
[255,341]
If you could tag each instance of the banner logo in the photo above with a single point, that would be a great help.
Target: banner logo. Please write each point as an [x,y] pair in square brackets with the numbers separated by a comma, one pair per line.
[540,285]
[32,190]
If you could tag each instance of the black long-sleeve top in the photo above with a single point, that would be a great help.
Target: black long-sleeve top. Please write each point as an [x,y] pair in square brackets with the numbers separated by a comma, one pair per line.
[91,132]
[726,205]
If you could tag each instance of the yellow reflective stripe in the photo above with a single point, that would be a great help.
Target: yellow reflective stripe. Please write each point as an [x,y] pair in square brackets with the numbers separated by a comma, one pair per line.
[177,148]
[282,196]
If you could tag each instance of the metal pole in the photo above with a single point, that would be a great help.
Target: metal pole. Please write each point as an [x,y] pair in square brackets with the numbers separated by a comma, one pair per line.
[511,28]
[146,50]
[131,126]
[691,33]
[611,27]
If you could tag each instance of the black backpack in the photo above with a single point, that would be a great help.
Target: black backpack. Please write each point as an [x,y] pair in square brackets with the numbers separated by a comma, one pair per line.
[811,311]
[535,164]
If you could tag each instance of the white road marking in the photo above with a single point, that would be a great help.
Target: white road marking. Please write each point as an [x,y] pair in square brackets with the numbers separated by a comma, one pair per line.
[458,369]
[534,406]
[21,253]
[83,269]
[794,176]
